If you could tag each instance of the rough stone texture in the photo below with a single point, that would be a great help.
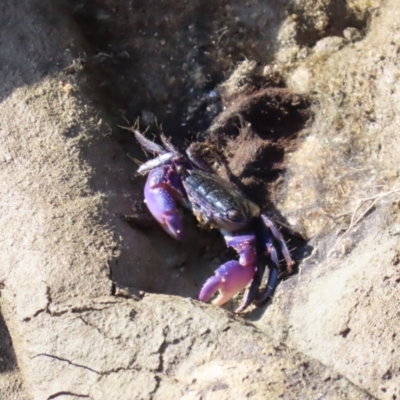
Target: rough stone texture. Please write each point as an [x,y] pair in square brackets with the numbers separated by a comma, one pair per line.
[345,314]
[76,324]
[342,307]
[163,348]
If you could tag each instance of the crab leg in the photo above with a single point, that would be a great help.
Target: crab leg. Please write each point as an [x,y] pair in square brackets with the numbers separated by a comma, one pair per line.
[148,144]
[160,197]
[271,234]
[232,276]
[252,291]
[273,278]
[279,238]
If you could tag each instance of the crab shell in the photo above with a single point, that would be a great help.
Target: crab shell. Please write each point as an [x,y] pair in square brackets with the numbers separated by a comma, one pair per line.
[218,203]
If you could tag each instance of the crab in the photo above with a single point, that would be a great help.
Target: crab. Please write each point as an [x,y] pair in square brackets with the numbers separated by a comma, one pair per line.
[176,179]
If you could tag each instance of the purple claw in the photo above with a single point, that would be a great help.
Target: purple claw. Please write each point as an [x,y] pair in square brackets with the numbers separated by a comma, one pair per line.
[161,203]
[245,246]
[229,279]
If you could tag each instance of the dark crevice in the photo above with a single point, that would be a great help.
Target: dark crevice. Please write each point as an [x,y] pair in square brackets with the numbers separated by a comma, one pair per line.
[67,393]
[78,309]
[97,329]
[83,309]
[119,369]
[113,288]
[163,347]
[161,352]
[158,383]
[42,310]
[103,373]
[67,361]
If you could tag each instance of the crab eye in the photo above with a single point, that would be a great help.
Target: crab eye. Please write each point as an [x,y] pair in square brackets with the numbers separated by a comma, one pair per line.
[181,170]
[234,215]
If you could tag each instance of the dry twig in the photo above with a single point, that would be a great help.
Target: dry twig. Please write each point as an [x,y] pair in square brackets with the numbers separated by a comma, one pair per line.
[355,220]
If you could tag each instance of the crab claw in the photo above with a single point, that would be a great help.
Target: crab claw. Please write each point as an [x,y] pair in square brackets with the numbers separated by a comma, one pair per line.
[229,279]
[161,203]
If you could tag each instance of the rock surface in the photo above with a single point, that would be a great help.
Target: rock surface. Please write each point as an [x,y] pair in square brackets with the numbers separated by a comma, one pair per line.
[75,322]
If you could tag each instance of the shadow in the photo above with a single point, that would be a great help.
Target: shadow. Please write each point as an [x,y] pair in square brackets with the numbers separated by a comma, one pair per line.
[28,36]
[8,361]
[164,59]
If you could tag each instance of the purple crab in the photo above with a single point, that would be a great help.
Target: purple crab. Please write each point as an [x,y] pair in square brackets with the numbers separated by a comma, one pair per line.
[177,179]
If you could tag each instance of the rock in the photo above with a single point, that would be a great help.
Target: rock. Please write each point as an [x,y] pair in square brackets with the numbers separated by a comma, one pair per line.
[162,348]
[352,34]
[299,82]
[341,311]
[329,44]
